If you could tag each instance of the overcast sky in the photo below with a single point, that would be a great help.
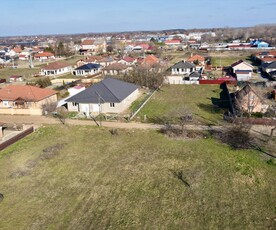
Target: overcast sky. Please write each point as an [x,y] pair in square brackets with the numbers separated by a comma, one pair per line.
[31,17]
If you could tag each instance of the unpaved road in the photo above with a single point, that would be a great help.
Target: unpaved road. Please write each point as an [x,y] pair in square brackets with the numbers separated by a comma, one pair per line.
[40,120]
[37,121]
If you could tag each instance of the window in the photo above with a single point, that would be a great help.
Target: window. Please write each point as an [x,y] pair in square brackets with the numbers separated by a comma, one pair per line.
[5,103]
[112,104]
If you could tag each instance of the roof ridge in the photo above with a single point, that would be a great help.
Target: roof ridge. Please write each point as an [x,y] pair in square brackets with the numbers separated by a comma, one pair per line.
[32,92]
[110,90]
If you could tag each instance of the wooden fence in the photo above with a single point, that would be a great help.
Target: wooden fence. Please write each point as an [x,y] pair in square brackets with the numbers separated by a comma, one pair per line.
[16,138]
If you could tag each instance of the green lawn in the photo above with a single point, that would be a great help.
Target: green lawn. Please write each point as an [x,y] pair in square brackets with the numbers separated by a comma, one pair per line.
[84,178]
[195,99]
[25,72]
[227,61]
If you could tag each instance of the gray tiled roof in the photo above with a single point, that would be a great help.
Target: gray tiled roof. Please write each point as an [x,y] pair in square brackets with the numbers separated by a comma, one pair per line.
[89,66]
[183,65]
[108,90]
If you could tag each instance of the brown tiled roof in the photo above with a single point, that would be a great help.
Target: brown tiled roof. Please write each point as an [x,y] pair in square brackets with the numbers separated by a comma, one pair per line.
[44,54]
[129,59]
[93,58]
[25,92]
[87,42]
[150,60]
[56,65]
[116,66]
[17,50]
[196,57]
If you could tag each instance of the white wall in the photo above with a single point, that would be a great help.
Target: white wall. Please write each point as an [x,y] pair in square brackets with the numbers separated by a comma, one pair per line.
[105,107]
[179,71]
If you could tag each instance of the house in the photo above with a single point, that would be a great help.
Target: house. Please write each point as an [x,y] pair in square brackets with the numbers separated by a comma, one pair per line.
[196,58]
[16,78]
[88,44]
[242,70]
[75,90]
[127,60]
[87,69]
[182,67]
[173,43]
[89,59]
[150,61]
[56,68]
[192,78]
[272,74]
[44,56]
[108,96]
[269,67]
[250,100]
[25,99]
[115,69]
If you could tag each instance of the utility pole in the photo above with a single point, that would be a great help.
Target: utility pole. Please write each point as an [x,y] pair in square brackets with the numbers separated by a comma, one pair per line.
[100,106]
[31,61]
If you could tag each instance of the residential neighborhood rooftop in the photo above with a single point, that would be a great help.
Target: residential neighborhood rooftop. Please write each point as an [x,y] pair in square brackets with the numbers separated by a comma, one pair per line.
[108,90]
[25,92]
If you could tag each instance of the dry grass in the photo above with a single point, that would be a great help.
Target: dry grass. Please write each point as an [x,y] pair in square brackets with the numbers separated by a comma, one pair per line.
[140,181]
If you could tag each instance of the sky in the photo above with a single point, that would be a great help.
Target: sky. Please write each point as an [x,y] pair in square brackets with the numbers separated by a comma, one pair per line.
[34,17]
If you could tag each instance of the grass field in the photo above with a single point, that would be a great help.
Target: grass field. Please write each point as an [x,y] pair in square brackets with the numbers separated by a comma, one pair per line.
[84,178]
[25,72]
[195,99]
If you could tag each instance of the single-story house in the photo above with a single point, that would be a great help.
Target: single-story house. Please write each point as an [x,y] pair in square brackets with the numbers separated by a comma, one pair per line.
[182,67]
[56,68]
[269,67]
[197,58]
[115,69]
[127,60]
[87,69]
[16,78]
[25,99]
[242,70]
[44,56]
[108,96]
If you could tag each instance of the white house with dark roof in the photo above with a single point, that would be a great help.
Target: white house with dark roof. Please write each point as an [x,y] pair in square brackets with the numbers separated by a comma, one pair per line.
[87,69]
[108,96]
[183,68]
[269,67]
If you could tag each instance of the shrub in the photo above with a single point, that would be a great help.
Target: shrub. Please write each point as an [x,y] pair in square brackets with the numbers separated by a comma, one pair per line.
[237,136]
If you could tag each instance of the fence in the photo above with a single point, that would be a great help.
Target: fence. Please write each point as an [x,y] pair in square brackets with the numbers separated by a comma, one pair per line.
[216,82]
[142,105]
[16,138]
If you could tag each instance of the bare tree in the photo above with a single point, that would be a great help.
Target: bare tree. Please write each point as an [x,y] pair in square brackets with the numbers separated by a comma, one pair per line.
[61,114]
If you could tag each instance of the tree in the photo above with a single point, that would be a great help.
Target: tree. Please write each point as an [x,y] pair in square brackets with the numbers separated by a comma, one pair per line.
[109,48]
[49,49]
[61,114]
[60,50]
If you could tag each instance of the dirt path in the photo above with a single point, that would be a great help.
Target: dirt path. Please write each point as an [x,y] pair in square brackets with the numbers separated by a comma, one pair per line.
[40,120]
[37,121]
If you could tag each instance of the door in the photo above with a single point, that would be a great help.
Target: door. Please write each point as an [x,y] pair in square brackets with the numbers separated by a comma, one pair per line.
[85,109]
